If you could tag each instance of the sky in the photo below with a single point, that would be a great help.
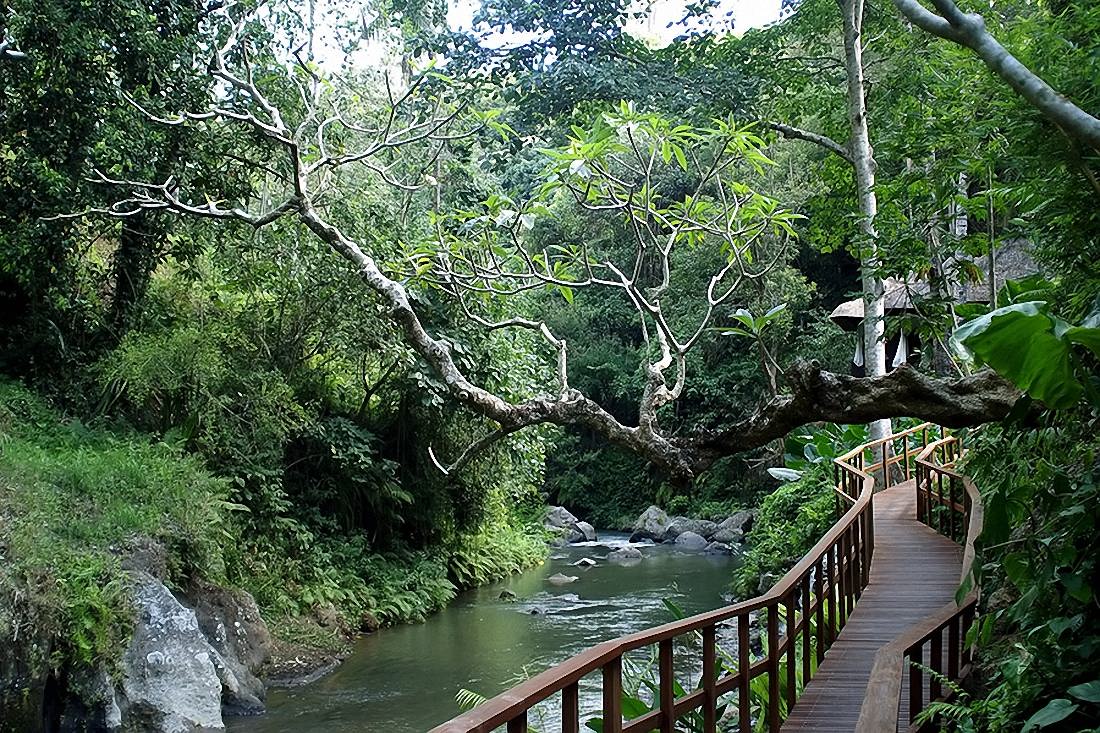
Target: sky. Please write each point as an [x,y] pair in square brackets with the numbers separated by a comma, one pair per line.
[746,14]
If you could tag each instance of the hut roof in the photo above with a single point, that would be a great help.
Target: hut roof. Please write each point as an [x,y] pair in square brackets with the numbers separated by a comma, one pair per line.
[1013,261]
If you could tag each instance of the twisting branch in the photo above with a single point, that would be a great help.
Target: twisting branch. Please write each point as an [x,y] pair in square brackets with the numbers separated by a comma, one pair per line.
[309,149]
[8,51]
[968,30]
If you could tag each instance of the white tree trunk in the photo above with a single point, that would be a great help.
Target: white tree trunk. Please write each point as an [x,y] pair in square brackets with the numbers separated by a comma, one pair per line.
[863,162]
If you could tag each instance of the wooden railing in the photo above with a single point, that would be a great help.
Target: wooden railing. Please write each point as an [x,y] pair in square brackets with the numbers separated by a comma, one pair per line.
[936,648]
[801,616]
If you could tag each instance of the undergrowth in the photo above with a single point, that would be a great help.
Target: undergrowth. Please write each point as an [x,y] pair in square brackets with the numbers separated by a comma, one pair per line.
[75,497]
[791,519]
[72,498]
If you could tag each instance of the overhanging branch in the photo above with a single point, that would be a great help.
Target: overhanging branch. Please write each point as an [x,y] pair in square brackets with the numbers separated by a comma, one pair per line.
[968,29]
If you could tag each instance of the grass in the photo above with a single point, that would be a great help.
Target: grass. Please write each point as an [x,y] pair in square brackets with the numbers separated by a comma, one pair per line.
[73,499]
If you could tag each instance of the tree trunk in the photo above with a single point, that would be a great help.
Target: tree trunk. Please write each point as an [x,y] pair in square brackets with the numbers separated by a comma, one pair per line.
[863,163]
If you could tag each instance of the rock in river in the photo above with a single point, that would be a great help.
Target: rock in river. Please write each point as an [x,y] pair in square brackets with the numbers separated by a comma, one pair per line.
[586,531]
[691,541]
[651,525]
[718,548]
[678,525]
[558,517]
[625,556]
[559,579]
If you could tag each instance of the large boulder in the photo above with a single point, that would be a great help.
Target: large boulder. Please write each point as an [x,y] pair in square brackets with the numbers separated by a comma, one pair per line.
[558,517]
[230,620]
[625,556]
[729,536]
[171,677]
[652,524]
[586,531]
[740,521]
[561,521]
[691,541]
[718,548]
[678,525]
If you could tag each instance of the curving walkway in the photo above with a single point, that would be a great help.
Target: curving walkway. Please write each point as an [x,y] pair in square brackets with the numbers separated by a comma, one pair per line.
[914,572]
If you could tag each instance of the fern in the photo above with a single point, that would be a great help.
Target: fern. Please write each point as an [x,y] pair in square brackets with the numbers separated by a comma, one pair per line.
[468,699]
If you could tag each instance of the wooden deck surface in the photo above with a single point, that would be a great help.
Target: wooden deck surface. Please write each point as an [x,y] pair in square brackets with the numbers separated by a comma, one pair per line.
[915,571]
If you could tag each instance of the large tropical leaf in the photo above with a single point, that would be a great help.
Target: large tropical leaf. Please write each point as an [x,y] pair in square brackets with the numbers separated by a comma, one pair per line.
[1028,346]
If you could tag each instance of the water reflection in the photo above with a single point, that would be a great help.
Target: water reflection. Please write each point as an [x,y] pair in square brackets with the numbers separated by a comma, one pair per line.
[404,680]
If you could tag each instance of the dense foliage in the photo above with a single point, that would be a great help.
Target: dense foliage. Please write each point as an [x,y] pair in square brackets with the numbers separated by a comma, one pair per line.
[235,395]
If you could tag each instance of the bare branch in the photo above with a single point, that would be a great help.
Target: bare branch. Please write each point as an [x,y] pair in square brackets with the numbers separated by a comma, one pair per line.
[824,141]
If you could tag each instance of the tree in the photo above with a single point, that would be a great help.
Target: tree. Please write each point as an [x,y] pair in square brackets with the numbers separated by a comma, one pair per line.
[969,30]
[314,143]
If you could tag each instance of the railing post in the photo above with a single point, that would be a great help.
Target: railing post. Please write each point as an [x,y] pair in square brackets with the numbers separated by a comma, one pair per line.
[667,693]
[807,647]
[916,682]
[953,648]
[773,667]
[819,585]
[792,661]
[571,709]
[710,698]
[518,724]
[830,560]
[744,662]
[905,447]
[935,662]
[613,696]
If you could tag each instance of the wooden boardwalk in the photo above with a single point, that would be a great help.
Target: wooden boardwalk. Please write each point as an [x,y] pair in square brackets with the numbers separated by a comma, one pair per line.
[915,571]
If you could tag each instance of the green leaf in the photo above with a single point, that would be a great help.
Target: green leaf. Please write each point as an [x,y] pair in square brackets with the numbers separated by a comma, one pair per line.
[1089,691]
[1054,712]
[1026,345]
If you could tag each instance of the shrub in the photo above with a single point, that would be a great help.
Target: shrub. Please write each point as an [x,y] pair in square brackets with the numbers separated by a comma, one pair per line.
[791,519]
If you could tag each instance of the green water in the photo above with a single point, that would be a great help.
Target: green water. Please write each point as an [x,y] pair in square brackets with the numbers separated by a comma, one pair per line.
[403,680]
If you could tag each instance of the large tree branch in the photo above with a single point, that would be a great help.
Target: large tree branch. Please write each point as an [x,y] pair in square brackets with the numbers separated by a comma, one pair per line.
[820,396]
[968,29]
[816,395]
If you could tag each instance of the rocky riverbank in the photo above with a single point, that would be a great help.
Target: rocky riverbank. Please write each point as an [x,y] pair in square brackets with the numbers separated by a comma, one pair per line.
[195,655]
[725,537]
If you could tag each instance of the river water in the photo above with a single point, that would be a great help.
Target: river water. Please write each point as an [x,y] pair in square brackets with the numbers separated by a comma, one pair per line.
[404,679]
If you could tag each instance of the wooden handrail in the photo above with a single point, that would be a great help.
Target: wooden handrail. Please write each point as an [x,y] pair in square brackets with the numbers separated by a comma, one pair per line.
[813,600]
[882,701]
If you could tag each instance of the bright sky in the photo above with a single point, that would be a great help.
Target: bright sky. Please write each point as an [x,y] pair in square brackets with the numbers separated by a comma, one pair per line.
[745,13]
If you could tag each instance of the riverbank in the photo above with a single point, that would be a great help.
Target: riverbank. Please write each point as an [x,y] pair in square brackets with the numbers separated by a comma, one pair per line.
[404,679]
[131,591]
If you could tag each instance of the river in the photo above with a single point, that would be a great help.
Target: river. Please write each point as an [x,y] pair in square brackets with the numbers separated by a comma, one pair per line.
[404,679]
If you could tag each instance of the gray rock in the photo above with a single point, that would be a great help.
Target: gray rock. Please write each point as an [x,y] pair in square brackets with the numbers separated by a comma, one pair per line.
[230,620]
[559,579]
[729,536]
[678,525]
[172,678]
[507,595]
[558,517]
[718,548]
[691,541]
[588,532]
[584,562]
[741,521]
[651,525]
[625,556]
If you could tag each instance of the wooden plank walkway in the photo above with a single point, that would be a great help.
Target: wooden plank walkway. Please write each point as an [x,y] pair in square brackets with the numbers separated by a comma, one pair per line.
[915,571]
